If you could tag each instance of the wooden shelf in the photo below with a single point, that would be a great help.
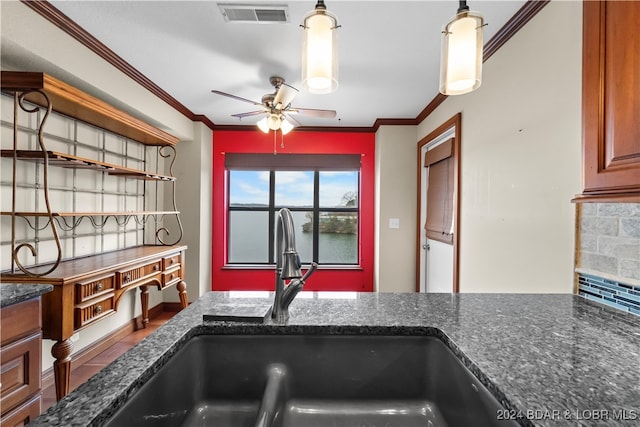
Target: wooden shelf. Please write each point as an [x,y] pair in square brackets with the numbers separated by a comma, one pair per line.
[73,102]
[75,270]
[72,214]
[74,162]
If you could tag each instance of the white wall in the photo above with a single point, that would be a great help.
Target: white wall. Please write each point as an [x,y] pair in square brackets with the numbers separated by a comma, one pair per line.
[396,175]
[521,159]
[193,196]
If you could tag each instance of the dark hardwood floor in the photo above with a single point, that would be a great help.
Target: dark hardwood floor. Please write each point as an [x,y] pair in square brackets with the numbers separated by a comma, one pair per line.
[82,373]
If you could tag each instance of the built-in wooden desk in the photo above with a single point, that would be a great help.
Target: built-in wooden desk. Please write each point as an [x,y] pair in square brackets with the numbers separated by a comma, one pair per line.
[89,289]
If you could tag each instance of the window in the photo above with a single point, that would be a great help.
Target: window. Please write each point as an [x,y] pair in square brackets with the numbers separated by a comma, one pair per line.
[321,191]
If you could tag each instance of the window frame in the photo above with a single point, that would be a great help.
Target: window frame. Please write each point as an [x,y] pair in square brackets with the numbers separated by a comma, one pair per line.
[272,210]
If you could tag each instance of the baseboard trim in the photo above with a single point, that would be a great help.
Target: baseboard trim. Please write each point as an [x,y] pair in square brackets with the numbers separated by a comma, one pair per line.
[171,307]
[97,347]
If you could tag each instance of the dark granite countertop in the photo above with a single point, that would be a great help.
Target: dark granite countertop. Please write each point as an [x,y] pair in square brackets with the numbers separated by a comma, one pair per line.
[559,359]
[13,293]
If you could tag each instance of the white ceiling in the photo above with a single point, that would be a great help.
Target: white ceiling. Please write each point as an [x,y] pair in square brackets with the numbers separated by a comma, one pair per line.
[389,52]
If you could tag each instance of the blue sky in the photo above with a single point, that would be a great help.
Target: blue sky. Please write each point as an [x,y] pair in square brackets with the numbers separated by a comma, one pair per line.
[293,188]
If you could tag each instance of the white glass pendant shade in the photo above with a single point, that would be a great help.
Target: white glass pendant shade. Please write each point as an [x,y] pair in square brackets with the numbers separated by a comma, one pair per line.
[461,62]
[320,53]
[262,124]
[286,127]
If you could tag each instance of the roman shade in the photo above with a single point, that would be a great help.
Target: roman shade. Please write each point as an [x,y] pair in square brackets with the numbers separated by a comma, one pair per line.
[439,223]
[292,162]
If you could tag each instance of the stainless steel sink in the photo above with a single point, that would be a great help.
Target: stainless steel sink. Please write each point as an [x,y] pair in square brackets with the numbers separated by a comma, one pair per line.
[312,380]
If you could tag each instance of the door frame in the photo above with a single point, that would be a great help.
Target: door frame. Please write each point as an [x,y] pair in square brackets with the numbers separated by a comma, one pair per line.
[455,121]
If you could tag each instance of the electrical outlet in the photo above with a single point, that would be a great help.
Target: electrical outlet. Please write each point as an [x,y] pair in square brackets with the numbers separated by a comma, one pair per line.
[75,337]
[394,222]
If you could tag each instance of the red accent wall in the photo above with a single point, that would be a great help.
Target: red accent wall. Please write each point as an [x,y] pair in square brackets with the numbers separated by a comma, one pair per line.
[302,142]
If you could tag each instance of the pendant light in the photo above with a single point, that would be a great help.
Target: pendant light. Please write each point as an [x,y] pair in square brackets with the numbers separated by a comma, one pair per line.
[319,51]
[461,63]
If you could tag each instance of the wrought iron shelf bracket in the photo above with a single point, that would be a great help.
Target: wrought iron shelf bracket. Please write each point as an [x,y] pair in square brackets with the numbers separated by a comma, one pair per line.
[74,162]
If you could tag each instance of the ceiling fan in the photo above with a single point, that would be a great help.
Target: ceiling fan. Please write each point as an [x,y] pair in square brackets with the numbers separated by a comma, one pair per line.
[277,107]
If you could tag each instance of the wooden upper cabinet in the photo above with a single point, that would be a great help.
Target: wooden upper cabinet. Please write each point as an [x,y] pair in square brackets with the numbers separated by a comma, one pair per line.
[611,101]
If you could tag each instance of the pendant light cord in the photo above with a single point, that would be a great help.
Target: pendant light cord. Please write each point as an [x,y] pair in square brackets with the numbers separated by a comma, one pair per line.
[463,6]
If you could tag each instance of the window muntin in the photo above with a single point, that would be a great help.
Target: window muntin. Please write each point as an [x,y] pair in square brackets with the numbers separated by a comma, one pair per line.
[324,205]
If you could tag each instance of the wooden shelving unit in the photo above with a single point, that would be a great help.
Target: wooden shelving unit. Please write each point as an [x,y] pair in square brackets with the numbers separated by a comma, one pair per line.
[54,95]
[87,288]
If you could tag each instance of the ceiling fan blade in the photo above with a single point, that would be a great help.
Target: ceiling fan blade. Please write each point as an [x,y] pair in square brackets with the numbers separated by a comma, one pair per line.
[236,97]
[292,120]
[248,114]
[284,96]
[312,112]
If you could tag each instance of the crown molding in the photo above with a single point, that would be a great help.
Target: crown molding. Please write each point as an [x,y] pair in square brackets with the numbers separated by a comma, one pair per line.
[504,34]
[393,122]
[253,128]
[66,24]
[513,25]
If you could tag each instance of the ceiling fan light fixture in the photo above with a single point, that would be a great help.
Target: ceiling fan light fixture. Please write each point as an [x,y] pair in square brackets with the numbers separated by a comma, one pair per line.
[275,121]
[320,51]
[277,107]
[461,62]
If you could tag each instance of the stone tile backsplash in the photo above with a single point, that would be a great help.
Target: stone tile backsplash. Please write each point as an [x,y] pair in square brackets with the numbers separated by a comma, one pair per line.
[609,239]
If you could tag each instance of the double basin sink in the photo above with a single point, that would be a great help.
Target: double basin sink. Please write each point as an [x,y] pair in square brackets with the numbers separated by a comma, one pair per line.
[314,381]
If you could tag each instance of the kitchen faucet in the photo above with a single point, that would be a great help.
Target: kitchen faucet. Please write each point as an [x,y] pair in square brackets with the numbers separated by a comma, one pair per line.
[287,267]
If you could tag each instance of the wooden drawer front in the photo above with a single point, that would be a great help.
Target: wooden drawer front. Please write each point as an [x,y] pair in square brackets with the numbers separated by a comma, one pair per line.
[171,261]
[94,288]
[23,414]
[171,277]
[20,371]
[20,320]
[125,278]
[93,310]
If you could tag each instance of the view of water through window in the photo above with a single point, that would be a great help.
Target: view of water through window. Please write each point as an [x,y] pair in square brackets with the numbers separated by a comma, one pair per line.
[335,205]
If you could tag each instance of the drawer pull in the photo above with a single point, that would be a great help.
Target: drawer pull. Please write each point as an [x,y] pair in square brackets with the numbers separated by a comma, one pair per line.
[99,287]
[156,268]
[97,309]
[127,277]
[171,261]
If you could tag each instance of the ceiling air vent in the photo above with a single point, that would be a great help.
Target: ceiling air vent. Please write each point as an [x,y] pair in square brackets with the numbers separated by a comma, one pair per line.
[263,13]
